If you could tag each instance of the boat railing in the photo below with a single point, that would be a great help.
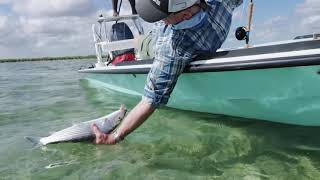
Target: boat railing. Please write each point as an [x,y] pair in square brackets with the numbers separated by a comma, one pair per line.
[117,18]
[101,36]
[316,36]
[309,36]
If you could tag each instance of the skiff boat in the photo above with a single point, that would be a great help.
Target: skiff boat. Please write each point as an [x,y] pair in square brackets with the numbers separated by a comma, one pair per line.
[278,82]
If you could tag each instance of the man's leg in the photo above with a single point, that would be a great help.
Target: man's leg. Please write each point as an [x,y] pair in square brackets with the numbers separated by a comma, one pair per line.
[133,6]
[115,7]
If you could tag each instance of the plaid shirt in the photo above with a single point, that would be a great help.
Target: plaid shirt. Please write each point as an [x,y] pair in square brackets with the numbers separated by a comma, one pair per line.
[175,49]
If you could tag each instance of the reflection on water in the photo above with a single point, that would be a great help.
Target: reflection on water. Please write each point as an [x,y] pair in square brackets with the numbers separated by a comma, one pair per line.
[38,98]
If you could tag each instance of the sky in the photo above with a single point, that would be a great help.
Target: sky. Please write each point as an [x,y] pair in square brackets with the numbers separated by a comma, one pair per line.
[38,28]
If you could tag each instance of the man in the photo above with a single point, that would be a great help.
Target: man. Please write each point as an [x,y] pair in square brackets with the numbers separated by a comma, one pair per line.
[115,7]
[189,29]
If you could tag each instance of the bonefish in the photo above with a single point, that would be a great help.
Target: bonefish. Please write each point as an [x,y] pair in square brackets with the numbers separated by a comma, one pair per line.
[82,130]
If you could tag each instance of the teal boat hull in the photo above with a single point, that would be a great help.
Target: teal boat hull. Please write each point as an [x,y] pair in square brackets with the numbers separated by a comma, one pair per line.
[288,95]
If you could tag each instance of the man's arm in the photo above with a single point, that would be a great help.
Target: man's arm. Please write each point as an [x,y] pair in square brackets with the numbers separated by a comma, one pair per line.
[134,119]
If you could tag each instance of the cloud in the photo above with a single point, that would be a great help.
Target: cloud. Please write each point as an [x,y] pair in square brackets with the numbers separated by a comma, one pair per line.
[309,7]
[50,26]
[304,19]
[309,11]
[12,35]
[5,2]
[47,28]
[276,21]
[53,8]
[276,28]
[3,22]
[34,37]
[311,22]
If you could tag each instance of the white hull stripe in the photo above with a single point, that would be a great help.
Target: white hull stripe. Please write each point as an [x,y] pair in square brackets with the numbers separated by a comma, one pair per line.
[226,60]
[259,57]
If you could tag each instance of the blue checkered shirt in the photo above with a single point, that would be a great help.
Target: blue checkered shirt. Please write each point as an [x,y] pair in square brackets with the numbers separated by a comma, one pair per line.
[175,49]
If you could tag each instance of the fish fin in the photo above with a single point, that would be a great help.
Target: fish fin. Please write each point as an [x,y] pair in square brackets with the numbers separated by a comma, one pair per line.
[75,123]
[34,140]
[122,107]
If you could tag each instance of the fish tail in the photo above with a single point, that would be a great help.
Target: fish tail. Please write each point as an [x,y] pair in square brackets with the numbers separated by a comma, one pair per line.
[34,140]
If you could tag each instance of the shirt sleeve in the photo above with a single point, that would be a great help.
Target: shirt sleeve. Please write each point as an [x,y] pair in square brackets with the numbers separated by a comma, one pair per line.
[230,3]
[237,3]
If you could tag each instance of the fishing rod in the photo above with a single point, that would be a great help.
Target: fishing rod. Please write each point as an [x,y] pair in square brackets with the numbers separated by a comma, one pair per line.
[119,7]
[243,33]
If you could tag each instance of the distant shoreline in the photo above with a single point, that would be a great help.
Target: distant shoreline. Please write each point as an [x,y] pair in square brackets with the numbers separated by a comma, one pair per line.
[47,58]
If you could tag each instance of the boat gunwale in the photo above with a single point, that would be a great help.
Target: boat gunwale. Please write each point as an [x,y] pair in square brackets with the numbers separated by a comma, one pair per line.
[304,53]
[244,65]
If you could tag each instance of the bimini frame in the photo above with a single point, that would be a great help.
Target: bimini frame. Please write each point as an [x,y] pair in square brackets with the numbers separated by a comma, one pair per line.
[102,39]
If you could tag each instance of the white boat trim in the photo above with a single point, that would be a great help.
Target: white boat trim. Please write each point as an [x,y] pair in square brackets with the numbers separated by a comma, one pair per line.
[142,66]
[225,60]
[259,57]
[270,44]
[117,18]
[119,45]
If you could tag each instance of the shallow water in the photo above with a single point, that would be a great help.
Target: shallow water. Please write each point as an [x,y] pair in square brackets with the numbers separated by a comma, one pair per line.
[37,98]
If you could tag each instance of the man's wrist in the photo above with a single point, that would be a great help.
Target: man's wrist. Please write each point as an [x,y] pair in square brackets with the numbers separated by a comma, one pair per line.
[117,136]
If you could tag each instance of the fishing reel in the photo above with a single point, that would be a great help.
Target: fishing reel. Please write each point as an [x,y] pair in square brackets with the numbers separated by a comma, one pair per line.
[242,33]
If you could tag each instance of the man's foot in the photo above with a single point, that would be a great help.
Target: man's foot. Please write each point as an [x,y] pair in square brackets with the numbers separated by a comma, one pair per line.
[100,137]
[115,14]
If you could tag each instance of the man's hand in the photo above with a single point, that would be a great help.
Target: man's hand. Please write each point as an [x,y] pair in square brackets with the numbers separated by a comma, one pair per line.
[102,138]
[134,119]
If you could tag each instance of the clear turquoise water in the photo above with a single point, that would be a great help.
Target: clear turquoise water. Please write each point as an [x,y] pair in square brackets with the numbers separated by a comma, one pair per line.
[37,98]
